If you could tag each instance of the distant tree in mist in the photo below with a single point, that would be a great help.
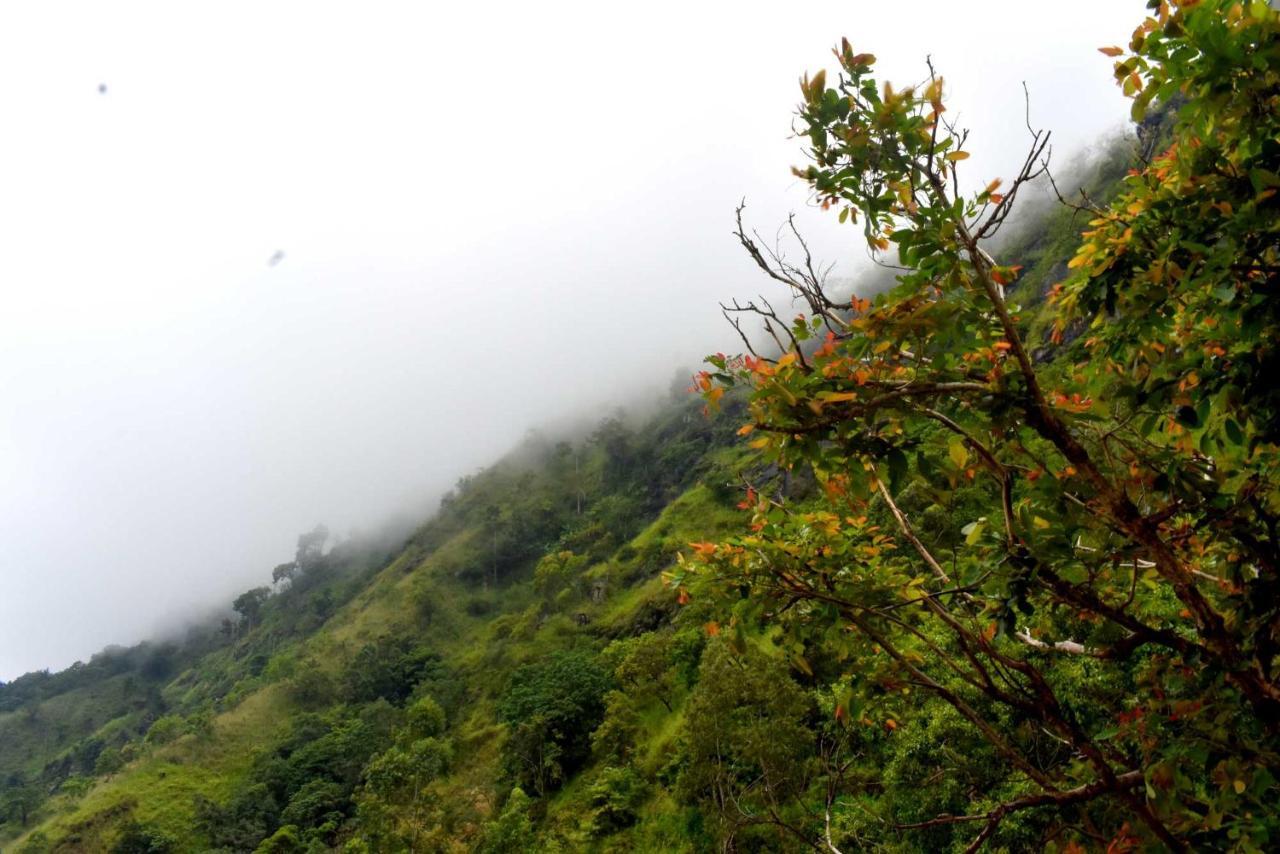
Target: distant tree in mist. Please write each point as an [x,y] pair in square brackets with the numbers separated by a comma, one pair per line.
[284,572]
[249,604]
[311,548]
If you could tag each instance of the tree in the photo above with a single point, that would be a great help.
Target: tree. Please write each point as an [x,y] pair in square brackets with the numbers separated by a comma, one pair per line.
[18,802]
[249,604]
[512,832]
[109,761]
[396,781]
[317,802]
[165,729]
[550,709]
[616,796]
[137,838]
[310,548]
[558,572]
[285,840]
[389,668]
[423,719]
[645,666]
[312,686]
[284,572]
[1119,478]
[748,750]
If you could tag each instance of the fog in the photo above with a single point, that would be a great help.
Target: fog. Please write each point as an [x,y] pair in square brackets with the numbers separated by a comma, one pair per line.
[270,264]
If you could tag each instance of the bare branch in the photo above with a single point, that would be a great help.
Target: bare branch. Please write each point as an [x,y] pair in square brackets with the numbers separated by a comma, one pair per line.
[1122,783]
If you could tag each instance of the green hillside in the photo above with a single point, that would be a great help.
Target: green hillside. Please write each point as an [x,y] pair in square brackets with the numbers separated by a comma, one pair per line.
[984,561]
[556,550]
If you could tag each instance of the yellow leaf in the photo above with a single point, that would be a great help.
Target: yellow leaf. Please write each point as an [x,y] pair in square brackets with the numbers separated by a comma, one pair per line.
[1239,786]
[745,429]
[788,359]
[958,155]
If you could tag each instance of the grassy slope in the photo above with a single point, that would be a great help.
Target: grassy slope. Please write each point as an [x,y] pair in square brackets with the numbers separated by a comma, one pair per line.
[30,737]
[482,647]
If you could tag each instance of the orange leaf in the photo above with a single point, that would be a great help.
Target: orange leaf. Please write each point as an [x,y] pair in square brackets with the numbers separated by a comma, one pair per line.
[713,628]
[1005,275]
[1111,51]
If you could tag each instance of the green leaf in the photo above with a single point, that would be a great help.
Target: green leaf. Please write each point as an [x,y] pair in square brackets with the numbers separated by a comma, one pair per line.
[1202,411]
[1233,431]
[1187,417]
[898,468]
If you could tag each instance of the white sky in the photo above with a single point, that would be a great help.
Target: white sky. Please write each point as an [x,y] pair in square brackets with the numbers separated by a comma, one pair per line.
[492,215]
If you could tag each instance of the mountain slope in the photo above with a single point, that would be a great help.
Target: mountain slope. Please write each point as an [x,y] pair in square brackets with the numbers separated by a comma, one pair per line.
[450,616]
[513,674]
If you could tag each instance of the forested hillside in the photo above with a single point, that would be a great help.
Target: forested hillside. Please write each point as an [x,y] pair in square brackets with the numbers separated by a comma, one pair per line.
[984,560]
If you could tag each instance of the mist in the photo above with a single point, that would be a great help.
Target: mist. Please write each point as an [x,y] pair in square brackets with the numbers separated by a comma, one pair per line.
[268,265]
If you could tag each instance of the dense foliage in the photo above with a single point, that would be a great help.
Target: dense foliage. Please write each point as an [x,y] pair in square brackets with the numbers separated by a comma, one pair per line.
[1077,553]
